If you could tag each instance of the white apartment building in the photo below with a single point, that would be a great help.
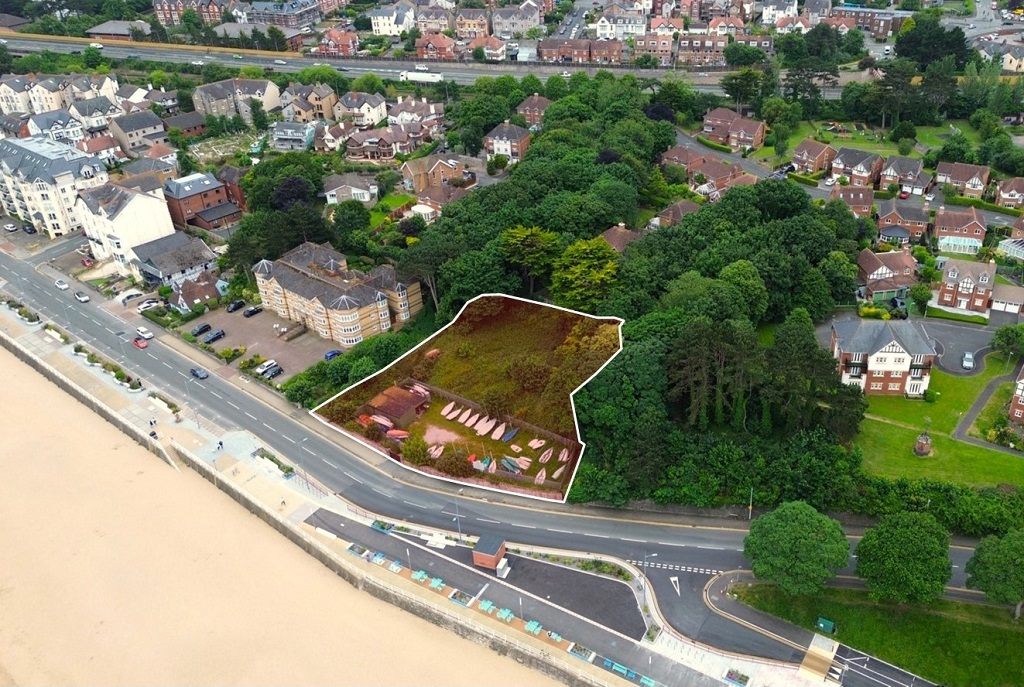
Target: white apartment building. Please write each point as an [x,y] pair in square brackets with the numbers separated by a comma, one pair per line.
[14,95]
[119,217]
[40,180]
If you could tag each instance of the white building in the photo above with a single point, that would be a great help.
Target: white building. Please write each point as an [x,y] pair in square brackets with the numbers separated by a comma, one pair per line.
[393,20]
[619,23]
[14,95]
[40,180]
[775,10]
[119,217]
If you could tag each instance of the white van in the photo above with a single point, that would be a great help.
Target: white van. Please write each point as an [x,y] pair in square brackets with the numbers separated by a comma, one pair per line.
[422,68]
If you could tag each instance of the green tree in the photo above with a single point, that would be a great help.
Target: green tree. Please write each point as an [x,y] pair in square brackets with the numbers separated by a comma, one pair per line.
[920,295]
[351,216]
[584,274]
[841,275]
[415,450]
[424,259]
[997,568]
[92,57]
[362,23]
[1009,339]
[479,54]
[531,249]
[903,129]
[741,86]
[260,121]
[193,23]
[741,55]
[369,83]
[744,276]
[905,558]
[796,547]
[905,146]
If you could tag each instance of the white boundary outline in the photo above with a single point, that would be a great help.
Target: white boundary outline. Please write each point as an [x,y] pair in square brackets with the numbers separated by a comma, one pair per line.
[425,342]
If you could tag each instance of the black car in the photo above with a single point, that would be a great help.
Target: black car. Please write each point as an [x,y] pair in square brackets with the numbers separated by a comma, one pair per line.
[199,373]
[201,328]
[252,310]
[28,229]
[897,303]
[215,335]
[273,372]
[235,305]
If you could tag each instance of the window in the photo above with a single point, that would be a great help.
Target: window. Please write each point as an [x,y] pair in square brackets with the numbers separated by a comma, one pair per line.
[896,374]
[351,317]
[876,386]
[984,278]
[881,360]
[856,357]
[877,373]
[894,387]
[1018,413]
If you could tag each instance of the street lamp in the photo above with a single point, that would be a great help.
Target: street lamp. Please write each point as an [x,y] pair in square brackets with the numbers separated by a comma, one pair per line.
[646,556]
[458,518]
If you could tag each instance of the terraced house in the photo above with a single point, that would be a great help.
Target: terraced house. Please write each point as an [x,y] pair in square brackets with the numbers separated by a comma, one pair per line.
[312,285]
[470,23]
[514,22]
[210,11]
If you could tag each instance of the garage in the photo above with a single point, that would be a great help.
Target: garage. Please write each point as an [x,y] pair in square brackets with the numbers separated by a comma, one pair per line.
[1007,298]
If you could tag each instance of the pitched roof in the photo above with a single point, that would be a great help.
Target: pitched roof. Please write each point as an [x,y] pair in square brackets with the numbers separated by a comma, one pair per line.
[898,261]
[810,148]
[680,155]
[961,171]
[871,336]
[174,253]
[959,217]
[903,166]
[674,213]
[186,120]
[1008,293]
[353,100]
[907,211]
[507,131]
[231,175]
[854,195]
[336,181]
[618,237]
[145,166]
[37,157]
[190,185]
[146,119]
[967,268]
[422,165]
[851,157]
[109,199]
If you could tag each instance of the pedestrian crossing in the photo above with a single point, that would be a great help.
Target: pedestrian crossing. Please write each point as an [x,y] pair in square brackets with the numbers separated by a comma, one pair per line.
[651,565]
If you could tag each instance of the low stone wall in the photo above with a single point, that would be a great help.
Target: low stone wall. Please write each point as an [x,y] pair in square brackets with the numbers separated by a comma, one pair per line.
[463,626]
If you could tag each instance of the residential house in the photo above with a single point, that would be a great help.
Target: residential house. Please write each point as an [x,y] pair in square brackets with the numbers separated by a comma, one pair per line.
[285,136]
[235,96]
[341,187]
[813,156]
[430,202]
[84,87]
[294,14]
[332,137]
[515,22]
[231,177]
[106,148]
[312,285]
[1014,246]
[752,40]
[200,199]
[171,260]
[14,126]
[618,237]
[470,23]
[606,52]
[410,110]
[47,94]
[95,115]
[1017,402]
[14,94]
[886,275]
[858,198]
[969,180]
[1007,298]
[801,25]
[533,109]
[658,47]
[576,51]
[12,22]
[188,123]
[138,130]
[134,98]
[773,10]
[365,110]
[817,10]
[673,214]
[881,24]
[210,11]
[725,126]
[195,292]
[1010,193]
[39,179]
[384,143]
[143,166]
[881,357]
[433,19]
[683,156]
[664,26]
[712,177]
[722,26]
[435,46]
[431,171]
[57,125]
[338,43]
[862,168]
[840,24]
[620,23]
[509,140]
[241,34]
[116,30]
[160,151]
[117,217]
[967,285]
[960,230]
[294,105]
[905,172]
[900,223]
[494,48]
[393,20]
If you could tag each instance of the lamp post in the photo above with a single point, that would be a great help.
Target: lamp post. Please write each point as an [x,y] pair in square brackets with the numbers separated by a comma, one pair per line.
[646,556]
[458,518]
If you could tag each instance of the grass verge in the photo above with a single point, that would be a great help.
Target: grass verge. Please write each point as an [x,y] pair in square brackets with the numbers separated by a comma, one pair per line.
[952,643]
[939,314]
[995,409]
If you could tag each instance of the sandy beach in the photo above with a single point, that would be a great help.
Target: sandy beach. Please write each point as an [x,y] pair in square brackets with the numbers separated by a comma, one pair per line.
[116,570]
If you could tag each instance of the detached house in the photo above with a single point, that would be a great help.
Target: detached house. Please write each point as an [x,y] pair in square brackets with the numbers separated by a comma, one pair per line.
[235,96]
[431,171]
[959,231]
[907,173]
[1011,193]
[338,43]
[618,237]
[773,10]
[900,223]
[509,140]
[341,187]
[725,126]
[200,199]
[969,180]
[138,130]
[785,25]
[364,109]
[883,357]
[886,275]
[494,48]
[720,26]
[533,109]
[812,156]
[385,143]
[620,23]
[393,20]
[860,167]
[857,198]
[435,46]
[673,214]
[684,157]
[1017,403]
[967,285]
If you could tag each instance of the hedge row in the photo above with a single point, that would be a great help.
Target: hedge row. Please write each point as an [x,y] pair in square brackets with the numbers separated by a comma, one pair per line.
[801,179]
[982,205]
[714,146]
[884,195]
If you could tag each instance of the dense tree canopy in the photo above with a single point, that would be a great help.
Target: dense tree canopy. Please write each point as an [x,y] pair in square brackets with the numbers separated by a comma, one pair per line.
[997,568]
[905,558]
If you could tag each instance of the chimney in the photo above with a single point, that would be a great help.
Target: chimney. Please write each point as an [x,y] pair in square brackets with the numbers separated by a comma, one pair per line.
[506,121]
[149,86]
[622,225]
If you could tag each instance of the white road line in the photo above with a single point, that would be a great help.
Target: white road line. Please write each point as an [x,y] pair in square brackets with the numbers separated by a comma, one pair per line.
[552,529]
[528,527]
[110,330]
[151,355]
[668,543]
[266,425]
[233,405]
[599,536]
[713,548]
[333,465]
[384,494]
[285,436]
[313,454]
[251,415]
[639,541]
[94,321]
[169,367]
[495,522]
[414,504]
[6,267]
[216,394]
[351,475]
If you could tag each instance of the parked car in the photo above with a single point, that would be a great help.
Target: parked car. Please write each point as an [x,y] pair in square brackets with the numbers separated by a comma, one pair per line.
[61,285]
[904,195]
[929,197]
[967,362]
[897,302]
[29,229]
[252,310]
[830,182]
[129,295]
[148,304]
[235,305]
[215,335]
[331,355]
[199,373]
[82,297]
[200,328]
[144,333]
[264,366]
[88,262]
[10,227]
[139,342]
[273,372]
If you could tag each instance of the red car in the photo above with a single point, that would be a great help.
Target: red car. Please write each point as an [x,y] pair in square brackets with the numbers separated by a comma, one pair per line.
[88,262]
[139,342]
[904,195]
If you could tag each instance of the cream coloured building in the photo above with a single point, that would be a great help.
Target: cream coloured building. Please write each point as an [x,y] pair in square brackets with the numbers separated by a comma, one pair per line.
[40,180]
[312,285]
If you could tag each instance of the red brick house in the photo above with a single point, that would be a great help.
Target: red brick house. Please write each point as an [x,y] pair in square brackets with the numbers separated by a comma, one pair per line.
[860,167]
[564,50]
[725,126]
[201,200]
[969,180]
[657,46]
[509,140]
[190,123]
[435,46]
[338,43]
[684,157]
[533,108]
[231,177]
[886,275]
[812,156]
[900,223]
[857,198]
[673,214]
[618,237]
[967,285]
[959,231]
[1017,403]
[883,357]
[1011,193]
[606,52]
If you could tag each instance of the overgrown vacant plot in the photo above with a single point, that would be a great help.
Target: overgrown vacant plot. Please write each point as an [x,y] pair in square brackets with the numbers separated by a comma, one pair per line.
[957,644]
[996,408]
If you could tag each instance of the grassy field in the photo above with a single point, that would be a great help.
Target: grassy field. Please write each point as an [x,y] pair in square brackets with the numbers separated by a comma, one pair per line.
[380,211]
[995,408]
[803,131]
[955,396]
[888,452]
[957,644]
[940,314]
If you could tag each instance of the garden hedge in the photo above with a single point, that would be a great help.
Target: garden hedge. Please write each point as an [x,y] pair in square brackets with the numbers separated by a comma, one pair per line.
[981,205]
[801,179]
[714,146]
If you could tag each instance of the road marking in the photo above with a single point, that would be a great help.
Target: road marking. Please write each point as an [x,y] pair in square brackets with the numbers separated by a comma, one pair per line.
[151,355]
[712,548]
[233,405]
[94,321]
[216,394]
[351,475]
[313,454]
[639,541]
[169,367]
[266,425]
[110,330]
[599,536]
[495,522]
[384,494]
[668,543]
[552,529]
[528,527]
[678,568]
[331,464]
[675,584]
[251,415]
[285,436]
[414,504]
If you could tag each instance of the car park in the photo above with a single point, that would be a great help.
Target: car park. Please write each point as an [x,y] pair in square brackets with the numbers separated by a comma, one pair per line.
[144,333]
[10,227]
[82,297]
[967,361]
[264,366]
[331,355]
[199,373]
[61,285]
[200,328]
[252,310]
[215,335]
[139,342]
[235,305]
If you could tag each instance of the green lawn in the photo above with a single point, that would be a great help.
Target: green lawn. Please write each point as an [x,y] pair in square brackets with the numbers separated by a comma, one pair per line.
[940,314]
[803,131]
[1000,279]
[888,452]
[955,395]
[386,204]
[957,644]
[936,136]
[995,408]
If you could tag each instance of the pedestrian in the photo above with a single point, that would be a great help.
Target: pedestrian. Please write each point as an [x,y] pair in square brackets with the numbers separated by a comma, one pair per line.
[282,503]
[220,445]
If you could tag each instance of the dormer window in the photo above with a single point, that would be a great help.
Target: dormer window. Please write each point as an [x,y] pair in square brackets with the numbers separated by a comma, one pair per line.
[952,274]
[984,278]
